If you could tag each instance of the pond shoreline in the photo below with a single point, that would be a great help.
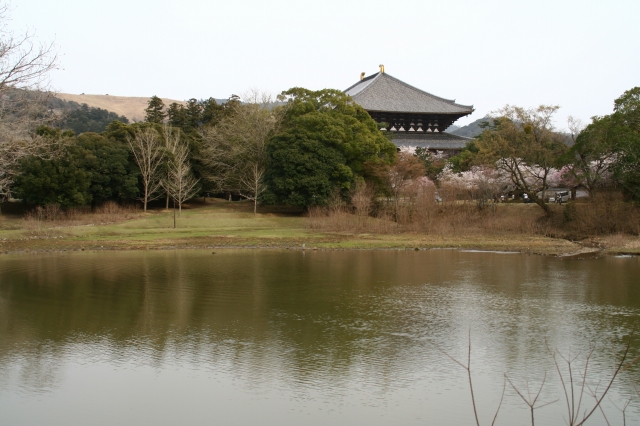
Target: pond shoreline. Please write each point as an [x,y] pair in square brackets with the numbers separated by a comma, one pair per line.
[538,246]
[219,224]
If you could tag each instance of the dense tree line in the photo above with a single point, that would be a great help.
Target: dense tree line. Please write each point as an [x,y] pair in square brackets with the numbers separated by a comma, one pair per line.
[306,148]
[298,149]
[529,155]
[82,118]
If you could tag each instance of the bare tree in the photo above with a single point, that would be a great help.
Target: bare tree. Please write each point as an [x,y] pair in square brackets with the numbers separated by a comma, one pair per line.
[171,141]
[24,69]
[24,62]
[235,149]
[362,200]
[180,182]
[402,175]
[148,153]
[217,158]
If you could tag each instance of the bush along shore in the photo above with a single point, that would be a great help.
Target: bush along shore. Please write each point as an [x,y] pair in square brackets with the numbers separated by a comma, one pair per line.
[216,223]
[513,187]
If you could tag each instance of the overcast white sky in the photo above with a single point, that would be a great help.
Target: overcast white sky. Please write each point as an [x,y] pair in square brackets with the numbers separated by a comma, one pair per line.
[580,55]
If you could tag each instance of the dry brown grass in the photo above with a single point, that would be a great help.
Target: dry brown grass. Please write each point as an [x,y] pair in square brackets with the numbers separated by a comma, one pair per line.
[448,218]
[129,106]
[418,212]
[605,214]
[44,220]
[621,243]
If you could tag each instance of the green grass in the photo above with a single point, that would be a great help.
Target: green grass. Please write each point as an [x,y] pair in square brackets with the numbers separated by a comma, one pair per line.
[222,223]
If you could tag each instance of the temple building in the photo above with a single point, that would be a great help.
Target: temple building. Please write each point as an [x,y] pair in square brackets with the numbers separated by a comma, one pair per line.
[416,118]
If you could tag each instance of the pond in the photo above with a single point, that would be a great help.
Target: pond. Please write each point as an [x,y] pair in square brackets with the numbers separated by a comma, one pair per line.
[290,337]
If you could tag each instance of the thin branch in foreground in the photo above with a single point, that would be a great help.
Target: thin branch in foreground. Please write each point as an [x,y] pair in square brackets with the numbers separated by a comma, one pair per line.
[467,367]
[574,412]
[504,386]
[623,410]
[531,401]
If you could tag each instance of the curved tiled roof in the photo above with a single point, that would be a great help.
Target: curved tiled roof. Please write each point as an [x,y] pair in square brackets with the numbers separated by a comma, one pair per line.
[383,92]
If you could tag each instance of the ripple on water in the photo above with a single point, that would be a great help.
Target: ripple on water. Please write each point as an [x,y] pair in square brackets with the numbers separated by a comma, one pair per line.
[358,336]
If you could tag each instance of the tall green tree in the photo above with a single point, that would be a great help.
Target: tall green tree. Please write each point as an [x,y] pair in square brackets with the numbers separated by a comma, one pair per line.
[592,157]
[523,143]
[155,113]
[193,111]
[626,126]
[177,115]
[211,111]
[60,180]
[305,169]
[112,175]
[187,117]
[326,143]
[90,169]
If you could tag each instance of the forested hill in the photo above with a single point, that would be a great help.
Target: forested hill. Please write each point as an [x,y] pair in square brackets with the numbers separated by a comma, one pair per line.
[92,113]
[82,118]
[131,107]
[471,130]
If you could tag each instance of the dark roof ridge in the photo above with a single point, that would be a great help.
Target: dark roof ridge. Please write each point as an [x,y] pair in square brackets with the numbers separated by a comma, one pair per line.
[371,77]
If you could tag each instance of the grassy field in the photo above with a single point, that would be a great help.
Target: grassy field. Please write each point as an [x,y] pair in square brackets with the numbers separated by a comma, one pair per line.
[129,106]
[219,223]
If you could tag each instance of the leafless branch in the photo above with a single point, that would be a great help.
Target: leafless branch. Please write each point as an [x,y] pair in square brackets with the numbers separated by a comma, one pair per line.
[529,400]
[568,387]
[504,386]
[468,368]
[147,151]
[180,183]
[24,69]
[235,150]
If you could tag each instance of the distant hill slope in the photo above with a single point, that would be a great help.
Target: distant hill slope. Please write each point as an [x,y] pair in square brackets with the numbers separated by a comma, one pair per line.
[471,130]
[83,118]
[128,106]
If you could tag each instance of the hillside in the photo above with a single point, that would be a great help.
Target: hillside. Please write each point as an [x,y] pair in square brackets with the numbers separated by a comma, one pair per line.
[128,106]
[471,130]
[83,118]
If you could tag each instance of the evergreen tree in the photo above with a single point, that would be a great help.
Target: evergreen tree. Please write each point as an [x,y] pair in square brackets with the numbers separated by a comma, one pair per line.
[177,115]
[59,181]
[211,112]
[193,113]
[155,110]
[113,177]
[327,143]
[626,128]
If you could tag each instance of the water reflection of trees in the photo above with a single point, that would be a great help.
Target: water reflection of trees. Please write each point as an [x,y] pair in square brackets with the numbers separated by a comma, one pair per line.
[306,318]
